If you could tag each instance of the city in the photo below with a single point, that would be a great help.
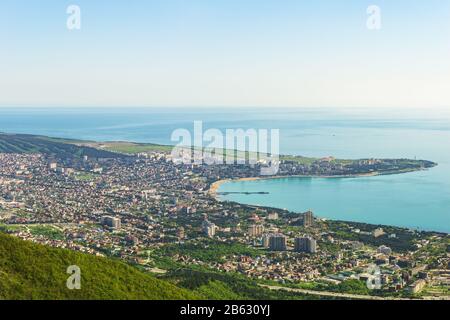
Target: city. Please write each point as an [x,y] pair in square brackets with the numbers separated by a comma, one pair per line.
[224,159]
[161,216]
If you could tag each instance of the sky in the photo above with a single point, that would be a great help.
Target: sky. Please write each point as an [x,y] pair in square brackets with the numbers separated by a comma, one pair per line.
[229,53]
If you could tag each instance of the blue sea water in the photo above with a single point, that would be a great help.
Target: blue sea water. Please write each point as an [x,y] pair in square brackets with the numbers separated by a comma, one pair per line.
[417,200]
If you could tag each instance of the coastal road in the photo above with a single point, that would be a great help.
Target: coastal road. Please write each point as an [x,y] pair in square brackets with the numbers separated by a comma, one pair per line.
[331,294]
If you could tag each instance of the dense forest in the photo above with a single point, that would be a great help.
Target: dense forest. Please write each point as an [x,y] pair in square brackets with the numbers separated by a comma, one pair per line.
[32,271]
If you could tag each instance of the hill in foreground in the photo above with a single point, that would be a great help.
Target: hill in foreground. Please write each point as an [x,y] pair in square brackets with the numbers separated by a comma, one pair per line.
[33,271]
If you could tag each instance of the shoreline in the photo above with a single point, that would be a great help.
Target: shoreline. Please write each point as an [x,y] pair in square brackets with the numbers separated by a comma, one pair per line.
[216,185]
[213,190]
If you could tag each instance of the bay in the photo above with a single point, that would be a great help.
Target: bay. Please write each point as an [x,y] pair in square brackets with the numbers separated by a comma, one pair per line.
[416,200]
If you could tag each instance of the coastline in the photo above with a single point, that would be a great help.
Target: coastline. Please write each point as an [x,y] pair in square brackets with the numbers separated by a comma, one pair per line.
[216,185]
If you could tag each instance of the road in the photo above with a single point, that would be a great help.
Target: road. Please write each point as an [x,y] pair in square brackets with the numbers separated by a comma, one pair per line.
[331,294]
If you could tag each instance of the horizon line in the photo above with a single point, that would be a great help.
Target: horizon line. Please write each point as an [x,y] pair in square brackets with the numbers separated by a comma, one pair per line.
[424,108]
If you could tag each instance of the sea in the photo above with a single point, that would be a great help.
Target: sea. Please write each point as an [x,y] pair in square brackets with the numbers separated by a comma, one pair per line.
[418,200]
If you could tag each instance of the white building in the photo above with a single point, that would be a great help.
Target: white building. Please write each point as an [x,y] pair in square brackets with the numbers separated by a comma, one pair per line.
[209,228]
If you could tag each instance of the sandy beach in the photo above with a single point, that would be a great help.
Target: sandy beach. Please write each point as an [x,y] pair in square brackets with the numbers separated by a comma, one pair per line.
[216,185]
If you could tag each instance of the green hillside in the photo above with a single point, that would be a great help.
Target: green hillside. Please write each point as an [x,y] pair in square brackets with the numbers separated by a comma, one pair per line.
[32,271]
[24,143]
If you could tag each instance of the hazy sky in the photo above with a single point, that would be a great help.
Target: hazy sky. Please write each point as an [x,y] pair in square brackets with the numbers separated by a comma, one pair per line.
[225,53]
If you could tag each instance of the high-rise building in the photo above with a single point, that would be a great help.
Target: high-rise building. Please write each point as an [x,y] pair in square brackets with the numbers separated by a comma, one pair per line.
[277,242]
[265,240]
[305,244]
[209,228]
[308,219]
[111,222]
[255,230]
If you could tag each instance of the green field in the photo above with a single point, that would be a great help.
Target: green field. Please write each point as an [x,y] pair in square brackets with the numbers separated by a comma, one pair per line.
[48,232]
[134,148]
[23,143]
[85,176]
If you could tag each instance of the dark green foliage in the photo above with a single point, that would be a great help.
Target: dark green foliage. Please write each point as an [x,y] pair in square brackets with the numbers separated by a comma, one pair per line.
[48,232]
[221,286]
[32,271]
[351,286]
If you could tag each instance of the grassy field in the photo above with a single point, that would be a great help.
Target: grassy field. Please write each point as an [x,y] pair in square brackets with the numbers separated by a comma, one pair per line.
[134,148]
[48,232]
[85,176]
[23,143]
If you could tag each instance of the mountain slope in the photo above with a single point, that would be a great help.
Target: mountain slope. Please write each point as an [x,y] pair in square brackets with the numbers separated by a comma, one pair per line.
[25,143]
[32,271]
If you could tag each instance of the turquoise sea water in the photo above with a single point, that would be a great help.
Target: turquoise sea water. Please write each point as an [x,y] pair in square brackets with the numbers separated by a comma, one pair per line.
[418,200]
